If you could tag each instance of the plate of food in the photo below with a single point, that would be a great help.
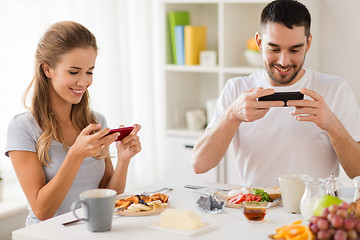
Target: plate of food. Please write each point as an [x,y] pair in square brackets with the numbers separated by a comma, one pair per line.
[138,205]
[236,197]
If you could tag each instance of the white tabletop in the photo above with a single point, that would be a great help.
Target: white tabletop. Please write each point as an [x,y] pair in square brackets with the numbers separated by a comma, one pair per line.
[230,223]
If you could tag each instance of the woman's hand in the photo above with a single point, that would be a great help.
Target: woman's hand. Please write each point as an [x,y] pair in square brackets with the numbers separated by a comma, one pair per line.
[130,145]
[91,145]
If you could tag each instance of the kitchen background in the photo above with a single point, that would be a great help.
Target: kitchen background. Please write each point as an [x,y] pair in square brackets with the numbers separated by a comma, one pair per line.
[134,81]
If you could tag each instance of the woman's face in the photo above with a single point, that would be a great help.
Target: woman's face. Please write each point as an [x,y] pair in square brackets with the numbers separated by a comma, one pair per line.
[72,75]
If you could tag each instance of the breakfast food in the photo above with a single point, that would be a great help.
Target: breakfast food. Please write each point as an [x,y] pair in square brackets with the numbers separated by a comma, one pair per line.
[210,203]
[180,219]
[337,222]
[139,203]
[239,196]
[293,231]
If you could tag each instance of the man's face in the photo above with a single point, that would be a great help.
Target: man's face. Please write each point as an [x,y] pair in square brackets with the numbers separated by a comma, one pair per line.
[283,52]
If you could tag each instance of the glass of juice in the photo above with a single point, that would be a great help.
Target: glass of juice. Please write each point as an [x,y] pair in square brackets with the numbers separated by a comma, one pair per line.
[255,211]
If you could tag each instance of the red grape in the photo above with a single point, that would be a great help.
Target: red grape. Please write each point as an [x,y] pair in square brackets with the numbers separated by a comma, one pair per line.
[342,213]
[325,212]
[337,221]
[330,216]
[357,225]
[323,235]
[314,228]
[323,224]
[333,208]
[314,219]
[340,235]
[349,224]
[344,205]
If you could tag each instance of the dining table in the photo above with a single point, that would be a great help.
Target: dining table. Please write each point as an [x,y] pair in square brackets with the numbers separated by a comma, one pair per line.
[229,223]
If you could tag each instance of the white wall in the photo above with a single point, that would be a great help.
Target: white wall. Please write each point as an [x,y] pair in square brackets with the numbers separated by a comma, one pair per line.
[340,40]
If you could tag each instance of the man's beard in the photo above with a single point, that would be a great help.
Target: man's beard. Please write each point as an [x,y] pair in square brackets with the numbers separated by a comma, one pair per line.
[279,80]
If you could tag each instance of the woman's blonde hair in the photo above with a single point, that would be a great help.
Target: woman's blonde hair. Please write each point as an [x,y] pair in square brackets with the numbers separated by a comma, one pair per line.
[59,39]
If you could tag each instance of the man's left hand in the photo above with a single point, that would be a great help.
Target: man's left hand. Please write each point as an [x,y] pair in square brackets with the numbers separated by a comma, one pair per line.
[313,110]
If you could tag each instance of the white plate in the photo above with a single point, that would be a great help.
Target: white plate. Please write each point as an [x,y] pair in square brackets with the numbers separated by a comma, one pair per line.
[204,229]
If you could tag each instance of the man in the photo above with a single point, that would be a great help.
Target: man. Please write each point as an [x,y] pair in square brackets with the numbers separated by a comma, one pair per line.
[311,136]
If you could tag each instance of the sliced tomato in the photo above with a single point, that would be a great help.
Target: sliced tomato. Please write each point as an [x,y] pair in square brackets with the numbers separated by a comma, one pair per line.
[248,198]
[257,198]
[237,199]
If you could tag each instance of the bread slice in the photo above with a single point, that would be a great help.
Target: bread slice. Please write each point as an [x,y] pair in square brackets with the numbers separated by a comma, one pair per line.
[274,192]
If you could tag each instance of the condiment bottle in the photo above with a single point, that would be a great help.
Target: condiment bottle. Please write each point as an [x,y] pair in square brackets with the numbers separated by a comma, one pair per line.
[356,184]
[314,188]
[333,185]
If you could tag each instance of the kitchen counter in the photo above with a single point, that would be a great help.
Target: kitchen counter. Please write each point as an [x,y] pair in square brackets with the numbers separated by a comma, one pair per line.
[228,224]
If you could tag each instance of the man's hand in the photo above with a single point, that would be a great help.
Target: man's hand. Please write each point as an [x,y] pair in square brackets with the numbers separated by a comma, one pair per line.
[246,108]
[315,110]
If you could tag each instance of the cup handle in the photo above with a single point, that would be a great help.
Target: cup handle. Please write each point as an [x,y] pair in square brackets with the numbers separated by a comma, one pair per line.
[74,206]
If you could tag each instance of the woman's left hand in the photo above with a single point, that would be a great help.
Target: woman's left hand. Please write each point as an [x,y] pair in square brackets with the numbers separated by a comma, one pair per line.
[129,146]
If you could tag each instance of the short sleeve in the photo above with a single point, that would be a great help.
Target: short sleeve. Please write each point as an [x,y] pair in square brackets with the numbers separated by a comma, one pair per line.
[347,110]
[100,119]
[20,134]
[225,99]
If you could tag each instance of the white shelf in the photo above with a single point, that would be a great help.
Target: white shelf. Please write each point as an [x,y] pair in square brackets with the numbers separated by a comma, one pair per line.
[184,68]
[204,69]
[183,132]
[242,70]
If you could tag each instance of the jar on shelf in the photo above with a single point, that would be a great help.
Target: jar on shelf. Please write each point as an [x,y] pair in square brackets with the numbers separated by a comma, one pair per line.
[314,188]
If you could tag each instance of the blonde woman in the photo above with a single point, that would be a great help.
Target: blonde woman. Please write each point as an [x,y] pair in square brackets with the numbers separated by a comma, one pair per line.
[60,148]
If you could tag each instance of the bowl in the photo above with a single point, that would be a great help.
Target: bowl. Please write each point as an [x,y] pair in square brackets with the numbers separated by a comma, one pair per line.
[253,57]
[255,211]
[210,200]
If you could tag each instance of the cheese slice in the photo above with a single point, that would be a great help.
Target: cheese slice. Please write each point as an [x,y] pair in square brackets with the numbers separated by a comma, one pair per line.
[180,219]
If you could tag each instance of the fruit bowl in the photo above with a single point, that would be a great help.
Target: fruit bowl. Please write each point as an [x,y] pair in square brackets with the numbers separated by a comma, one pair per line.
[210,200]
[253,57]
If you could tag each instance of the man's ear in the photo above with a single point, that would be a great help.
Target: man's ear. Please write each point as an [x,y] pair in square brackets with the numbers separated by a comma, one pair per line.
[47,70]
[309,41]
[258,40]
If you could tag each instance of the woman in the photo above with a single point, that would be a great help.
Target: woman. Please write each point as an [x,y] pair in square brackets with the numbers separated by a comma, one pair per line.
[60,148]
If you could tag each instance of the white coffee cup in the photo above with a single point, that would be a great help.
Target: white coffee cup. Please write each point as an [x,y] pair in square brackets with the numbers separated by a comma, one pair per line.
[99,206]
[196,119]
[292,188]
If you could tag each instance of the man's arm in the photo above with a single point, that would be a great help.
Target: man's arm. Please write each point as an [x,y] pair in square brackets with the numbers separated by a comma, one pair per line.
[346,148]
[212,145]
[316,110]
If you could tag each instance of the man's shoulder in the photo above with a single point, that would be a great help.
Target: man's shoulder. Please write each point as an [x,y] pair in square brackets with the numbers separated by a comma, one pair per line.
[318,76]
[251,80]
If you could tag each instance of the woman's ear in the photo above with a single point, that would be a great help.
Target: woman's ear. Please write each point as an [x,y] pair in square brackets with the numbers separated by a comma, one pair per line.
[47,70]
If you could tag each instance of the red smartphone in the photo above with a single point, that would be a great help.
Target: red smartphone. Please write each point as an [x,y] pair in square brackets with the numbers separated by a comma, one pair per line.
[125,131]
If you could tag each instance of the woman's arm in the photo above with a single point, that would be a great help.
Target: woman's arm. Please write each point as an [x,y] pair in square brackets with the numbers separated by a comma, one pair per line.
[45,198]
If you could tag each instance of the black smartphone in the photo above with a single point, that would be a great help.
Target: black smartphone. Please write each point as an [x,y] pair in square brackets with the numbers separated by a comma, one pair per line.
[282,96]
[125,131]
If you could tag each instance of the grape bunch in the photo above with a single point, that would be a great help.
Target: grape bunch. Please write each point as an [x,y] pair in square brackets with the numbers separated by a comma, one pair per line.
[336,222]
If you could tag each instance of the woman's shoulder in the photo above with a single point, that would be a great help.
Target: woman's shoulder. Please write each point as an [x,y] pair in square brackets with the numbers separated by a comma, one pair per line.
[23,119]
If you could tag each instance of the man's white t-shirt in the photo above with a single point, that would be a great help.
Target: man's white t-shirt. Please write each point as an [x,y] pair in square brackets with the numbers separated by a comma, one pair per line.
[278,144]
